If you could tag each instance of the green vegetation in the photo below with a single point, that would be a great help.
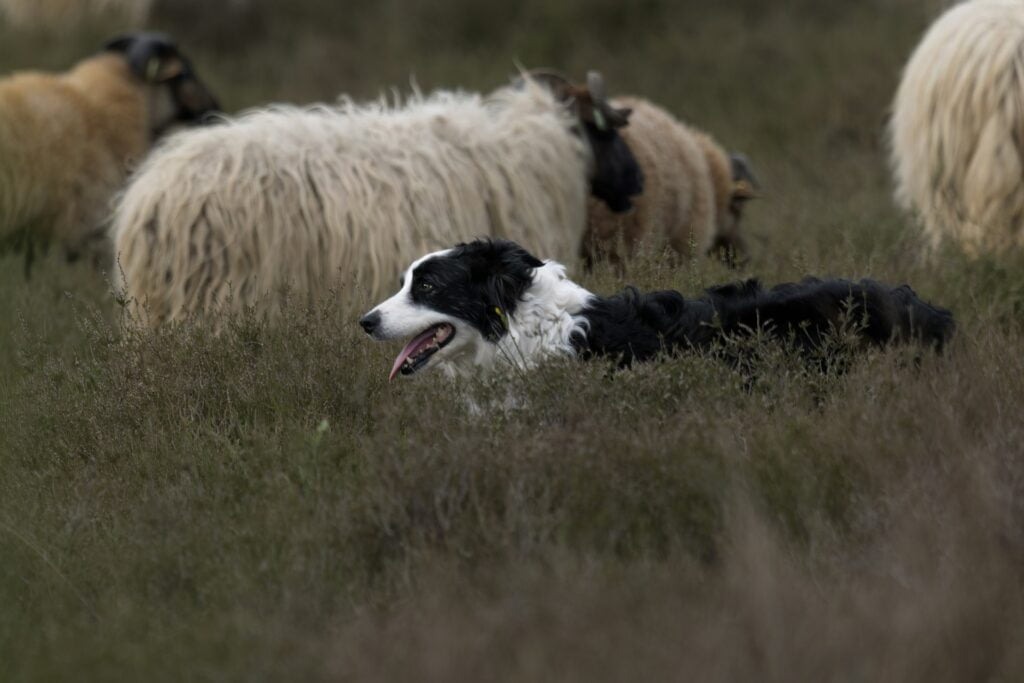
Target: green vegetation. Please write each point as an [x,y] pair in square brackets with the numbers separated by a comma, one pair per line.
[262,505]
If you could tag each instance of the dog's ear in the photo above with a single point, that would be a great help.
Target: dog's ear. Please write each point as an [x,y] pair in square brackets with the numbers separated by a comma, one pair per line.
[510,276]
[501,293]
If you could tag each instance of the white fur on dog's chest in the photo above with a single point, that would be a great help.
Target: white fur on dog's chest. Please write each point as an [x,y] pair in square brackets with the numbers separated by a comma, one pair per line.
[548,316]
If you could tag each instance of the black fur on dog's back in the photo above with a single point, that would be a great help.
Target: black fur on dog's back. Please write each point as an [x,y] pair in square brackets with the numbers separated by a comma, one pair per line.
[635,327]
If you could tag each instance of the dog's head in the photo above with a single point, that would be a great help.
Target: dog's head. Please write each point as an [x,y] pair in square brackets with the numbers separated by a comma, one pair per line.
[453,304]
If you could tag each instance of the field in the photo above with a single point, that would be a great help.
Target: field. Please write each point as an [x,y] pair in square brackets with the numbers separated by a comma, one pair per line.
[263,505]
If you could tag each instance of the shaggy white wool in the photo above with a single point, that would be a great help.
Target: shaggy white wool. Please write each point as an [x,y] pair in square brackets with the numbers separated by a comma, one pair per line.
[225,217]
[957,129]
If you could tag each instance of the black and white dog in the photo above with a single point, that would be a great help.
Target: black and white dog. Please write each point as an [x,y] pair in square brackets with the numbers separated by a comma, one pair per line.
[488,302]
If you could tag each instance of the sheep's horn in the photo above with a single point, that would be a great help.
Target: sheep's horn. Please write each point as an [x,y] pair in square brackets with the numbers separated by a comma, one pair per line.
[595,85]
[548,76]
[553,81]
[616,118]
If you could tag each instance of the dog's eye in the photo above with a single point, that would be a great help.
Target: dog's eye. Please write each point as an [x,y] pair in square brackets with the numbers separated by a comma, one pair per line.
[424,286]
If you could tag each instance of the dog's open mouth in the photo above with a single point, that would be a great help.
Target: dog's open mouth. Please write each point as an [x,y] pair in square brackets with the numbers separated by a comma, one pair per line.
[424,345]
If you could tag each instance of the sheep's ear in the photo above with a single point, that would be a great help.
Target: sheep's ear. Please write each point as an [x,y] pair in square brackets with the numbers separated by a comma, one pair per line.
[743,190]
[151,56]
[160,69]
[621,117]
[744,182]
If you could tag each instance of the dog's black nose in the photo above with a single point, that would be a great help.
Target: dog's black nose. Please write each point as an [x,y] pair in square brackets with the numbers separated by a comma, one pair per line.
[370,322]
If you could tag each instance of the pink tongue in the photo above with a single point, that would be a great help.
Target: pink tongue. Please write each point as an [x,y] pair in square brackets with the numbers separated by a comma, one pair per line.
[413,347]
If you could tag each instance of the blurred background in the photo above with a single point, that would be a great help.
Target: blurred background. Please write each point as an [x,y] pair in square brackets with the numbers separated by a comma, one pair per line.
[801,87]
[263,506]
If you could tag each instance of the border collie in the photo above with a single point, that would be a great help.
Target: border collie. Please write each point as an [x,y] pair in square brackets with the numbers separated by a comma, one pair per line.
[490,302]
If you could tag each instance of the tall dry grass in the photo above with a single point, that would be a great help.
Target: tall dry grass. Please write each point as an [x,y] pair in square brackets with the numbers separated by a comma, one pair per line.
[262,505]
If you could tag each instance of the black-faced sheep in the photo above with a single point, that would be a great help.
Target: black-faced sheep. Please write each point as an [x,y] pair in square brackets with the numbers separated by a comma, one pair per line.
[68,141]
[693,191]
[223,218]
[957,128]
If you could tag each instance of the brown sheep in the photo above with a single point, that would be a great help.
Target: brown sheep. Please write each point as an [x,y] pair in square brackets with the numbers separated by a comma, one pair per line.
[69,140]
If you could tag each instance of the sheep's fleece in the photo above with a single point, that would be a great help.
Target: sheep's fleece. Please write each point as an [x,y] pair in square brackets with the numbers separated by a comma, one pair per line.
[66,143]
[678,206]
[958,128]
[223,218]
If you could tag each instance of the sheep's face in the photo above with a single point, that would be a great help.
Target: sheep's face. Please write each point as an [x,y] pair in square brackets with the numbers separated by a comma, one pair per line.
[175,94]
[615,176]
[729,242]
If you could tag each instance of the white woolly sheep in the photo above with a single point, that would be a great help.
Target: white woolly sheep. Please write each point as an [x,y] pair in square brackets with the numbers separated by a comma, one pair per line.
[957,128]
[67,14]
[224,218]
[693,191]
[67,141]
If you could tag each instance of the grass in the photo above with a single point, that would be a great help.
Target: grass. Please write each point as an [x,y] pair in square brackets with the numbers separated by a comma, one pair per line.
[262,505]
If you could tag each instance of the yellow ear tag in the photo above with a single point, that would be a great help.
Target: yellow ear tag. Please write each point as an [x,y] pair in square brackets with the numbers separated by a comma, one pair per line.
[599,120]
[152,68]
[501,315]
